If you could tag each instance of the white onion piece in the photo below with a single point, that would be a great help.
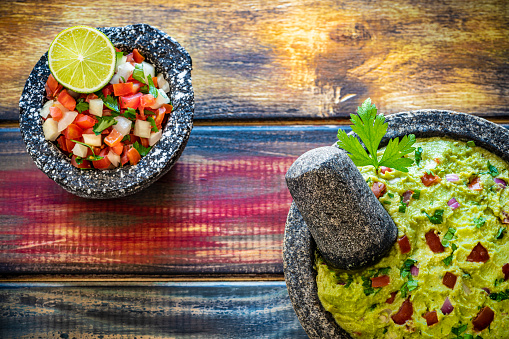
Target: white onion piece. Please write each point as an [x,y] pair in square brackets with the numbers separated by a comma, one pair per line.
[414,270]
[95,107]
[59,105]
[148,70]
[50,129]
[92,139]
[142,128]
[45,109]
[453,203]
[154,137]
[162,83]
[114,158]
[67,119]
[501,184]
[123,125]
[80,150]
[447,306]
[121,62]
[452,177]
[124,71]
[394,181]
[161,99]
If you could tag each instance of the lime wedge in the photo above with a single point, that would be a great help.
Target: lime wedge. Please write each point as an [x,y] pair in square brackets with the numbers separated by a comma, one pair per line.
[82,59]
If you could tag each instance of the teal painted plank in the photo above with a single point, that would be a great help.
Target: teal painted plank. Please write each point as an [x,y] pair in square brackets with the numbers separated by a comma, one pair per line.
[147,310]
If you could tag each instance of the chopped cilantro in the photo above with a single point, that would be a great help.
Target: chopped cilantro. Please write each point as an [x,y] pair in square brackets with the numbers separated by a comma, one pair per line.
[500,296]
[138,73]
[387,202]
[448,236]
[402,207]
[82,143]
[372,307]
[130,114]
[408,286]
[153,123]
[447,261]
[144,89]
[479,222]
[436,218]
[458,330]
[493,170]
[417,194]
[349,281]
[126,138]
[418,155]
[471,143]
[123,80]
[142,150]
[118,58]
[391,195]
[152,88]
[498,282]
[500,233]
[81,105]
[103,123]
[112,103]
[429,172]
[407,265]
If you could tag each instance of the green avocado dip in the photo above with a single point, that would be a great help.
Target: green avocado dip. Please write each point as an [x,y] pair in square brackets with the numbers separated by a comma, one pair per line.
[447,275]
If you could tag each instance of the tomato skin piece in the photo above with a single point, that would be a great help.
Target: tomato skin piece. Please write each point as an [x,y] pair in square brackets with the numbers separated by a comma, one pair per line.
[131,101]
[404,244]
[91,96]
[483,319]
[62,144]
[378,189]
[118,148]
[475,184]
[56,113]
[167,108]
[52,87]
[147,100]
[138,58]
[431,318]
[123,158]
[434,243]
[85,121]
[479,254]
[72,132]
[144,142]
[133,156]
[122,89]
[108,90]
[104,162]
[84,164]
[430,179]
[113,138]
[449,280]
[69,144]
[380,281]
[404,314]
[392,297]
[66,100]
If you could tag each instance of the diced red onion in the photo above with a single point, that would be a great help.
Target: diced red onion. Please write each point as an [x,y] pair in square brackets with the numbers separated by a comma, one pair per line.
[487,290]
[453,203]
[447,306]
[414,270]
[500,183]
[452,177]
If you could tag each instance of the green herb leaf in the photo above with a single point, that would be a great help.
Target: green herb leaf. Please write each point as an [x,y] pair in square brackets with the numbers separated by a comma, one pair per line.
[349,281]
[144,89]
[402,207]
[153,124]
[152,88]
[500,233]
[103,123]
[391,195]
[448,236]
[118,58]
[418,155]
[405,269]
[417,194]
[130,114]
[471,143]
[493,170]
[370,127]
[499,282]
[479,222]
[81,105]
[142,150]
[138,73]
[112,103]
[79,160]
[437,217]
[447,261]
[460,329]
[500,296]
[387,202]
[123,80]
[126,138]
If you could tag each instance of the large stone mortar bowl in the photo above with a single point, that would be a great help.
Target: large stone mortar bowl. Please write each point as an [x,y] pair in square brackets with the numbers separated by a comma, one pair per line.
[299,246]
[170,59]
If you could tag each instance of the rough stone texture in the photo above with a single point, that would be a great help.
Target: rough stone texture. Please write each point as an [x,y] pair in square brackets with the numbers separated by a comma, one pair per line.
[351,228]
[168,57]
[299,246]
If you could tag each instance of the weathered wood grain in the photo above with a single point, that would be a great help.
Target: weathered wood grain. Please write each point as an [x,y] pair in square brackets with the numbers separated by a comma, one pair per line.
[220,210]
[297,58]
[157,310]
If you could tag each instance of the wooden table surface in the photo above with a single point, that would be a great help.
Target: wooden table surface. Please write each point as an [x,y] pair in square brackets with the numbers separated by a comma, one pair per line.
[199,253]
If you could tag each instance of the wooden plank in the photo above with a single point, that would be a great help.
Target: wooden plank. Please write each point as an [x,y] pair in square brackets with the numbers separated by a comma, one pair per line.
[220,210]
[157,310]
[297,58]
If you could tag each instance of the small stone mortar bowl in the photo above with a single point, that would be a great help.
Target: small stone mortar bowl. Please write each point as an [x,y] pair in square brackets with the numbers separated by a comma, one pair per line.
[169,58]
[299,246]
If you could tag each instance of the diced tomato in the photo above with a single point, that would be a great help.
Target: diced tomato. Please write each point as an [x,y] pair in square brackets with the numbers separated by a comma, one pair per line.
[407,197]
[483,319]
[72,132]
[147,100]
[478,254]
[434,242]
[84,164]
[431,318]
[378,189]
[138,58]
[130,58]
[69,144]
[505,270]
[504,218]
[160,114]
[131,101]
[108,90]
[96,149]
[154,80]
[437,160]
[88,131]
[104,162]
[404,314]
[118,148]
[67,100]
[123,89]
[430,179]
[133,156]
[91,96]
[380,281]
[449,280]
[113,138]
[133,138]
[404,244]
[167,108]
[56,113]
[384,169]
[475,184]
[52,87]
[85,121]
[391,299]
[144,142]
[141,116]
[124,159]
[62,144]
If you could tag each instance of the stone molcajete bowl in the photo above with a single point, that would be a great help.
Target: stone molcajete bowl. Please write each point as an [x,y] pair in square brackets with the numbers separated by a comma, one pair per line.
[169,58]
[299,245]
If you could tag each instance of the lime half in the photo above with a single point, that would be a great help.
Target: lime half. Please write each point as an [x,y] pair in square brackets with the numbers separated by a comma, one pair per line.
[82,59]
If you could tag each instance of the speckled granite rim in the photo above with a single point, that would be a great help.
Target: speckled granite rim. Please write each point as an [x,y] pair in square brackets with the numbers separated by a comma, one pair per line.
[168,57]
[299,246]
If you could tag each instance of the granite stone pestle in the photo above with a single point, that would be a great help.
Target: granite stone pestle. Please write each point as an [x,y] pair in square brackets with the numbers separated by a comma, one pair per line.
[350,227]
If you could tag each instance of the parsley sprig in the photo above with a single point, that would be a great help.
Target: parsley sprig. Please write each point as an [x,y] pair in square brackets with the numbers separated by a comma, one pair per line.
[371,127]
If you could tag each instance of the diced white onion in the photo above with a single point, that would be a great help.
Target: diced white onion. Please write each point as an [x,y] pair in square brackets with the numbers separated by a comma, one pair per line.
[114,158]
[148,70]
[95,107]
[60,106]
[92,139]
[121,62]
[50,129]
[80,150]
[154,137]
[45,109]
[161,99]
[395,180]
[67,119]
[123,125]
[124,71]
[142,129]
[452,177]
[162,83]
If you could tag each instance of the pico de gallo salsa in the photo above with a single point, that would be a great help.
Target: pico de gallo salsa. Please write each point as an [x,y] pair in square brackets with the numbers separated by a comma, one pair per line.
[114,126]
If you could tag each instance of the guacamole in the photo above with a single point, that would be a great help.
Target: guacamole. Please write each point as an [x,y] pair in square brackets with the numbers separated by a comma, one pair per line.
[447,275]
